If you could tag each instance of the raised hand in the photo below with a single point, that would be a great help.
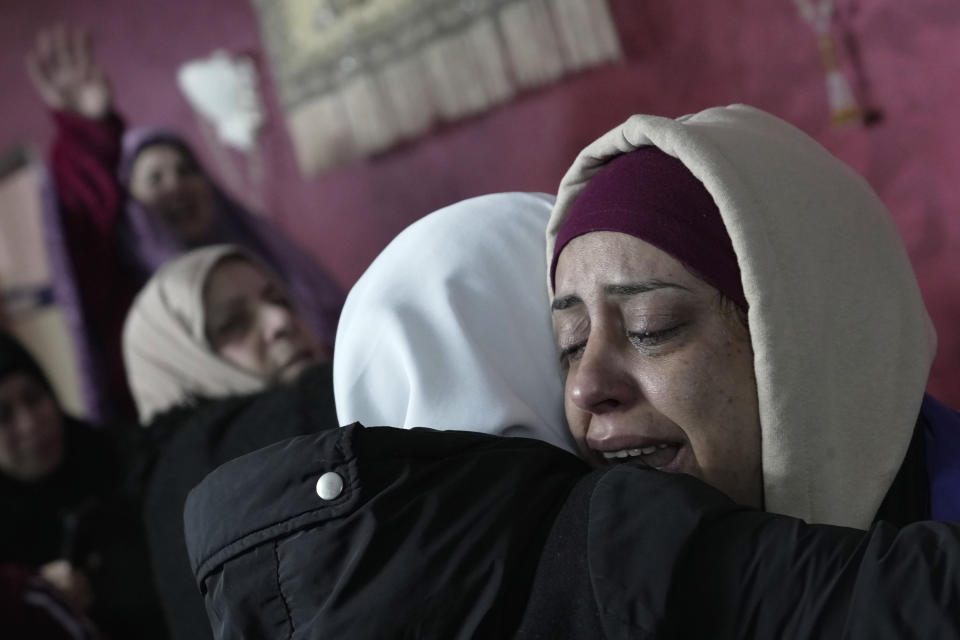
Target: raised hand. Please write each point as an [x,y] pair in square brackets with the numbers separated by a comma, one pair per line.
[66,74]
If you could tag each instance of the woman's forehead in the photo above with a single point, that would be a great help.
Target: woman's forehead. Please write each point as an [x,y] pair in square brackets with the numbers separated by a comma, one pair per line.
[604,258]
[159,152]
[233,274]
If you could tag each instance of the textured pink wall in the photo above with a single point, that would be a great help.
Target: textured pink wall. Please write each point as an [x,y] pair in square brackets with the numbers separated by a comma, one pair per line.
[682,55]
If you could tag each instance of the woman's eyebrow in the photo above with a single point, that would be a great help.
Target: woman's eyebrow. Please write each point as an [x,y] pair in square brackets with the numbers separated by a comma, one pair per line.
[559,304]
[624,289]
[634,288]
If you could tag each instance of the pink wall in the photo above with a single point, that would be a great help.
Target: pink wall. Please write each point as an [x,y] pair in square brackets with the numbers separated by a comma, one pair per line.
[682,55]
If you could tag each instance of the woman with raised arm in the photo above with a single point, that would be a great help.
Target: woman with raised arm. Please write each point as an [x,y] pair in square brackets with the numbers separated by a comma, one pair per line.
[124,202]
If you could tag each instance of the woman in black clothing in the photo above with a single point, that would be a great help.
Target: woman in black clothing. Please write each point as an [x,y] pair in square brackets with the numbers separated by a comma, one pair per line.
[64,512]
[220,364]
[745,351]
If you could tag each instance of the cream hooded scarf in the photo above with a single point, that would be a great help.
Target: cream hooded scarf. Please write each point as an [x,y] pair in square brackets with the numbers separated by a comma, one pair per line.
[169,361]
[449,328]
[842,342]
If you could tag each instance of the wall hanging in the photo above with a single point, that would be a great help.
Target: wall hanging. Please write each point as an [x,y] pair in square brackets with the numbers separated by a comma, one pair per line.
[843,105]
[356,77]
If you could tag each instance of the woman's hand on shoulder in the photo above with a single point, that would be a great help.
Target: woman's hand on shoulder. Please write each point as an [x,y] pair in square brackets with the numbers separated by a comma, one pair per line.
[66,74]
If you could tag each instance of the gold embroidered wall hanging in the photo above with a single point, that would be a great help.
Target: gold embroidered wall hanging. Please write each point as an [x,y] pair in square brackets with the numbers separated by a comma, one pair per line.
[358,76]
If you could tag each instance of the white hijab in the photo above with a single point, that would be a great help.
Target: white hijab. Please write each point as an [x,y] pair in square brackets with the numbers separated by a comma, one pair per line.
[168,359]
[450,328]
[842,341]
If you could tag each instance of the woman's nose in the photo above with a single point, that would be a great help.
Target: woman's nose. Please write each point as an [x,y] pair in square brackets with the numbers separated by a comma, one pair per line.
[169,183]
[27,422]
[276,320]
[601,381]
[171,187]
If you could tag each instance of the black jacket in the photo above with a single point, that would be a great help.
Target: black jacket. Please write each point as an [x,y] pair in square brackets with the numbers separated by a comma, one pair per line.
[188,443]
[460,535]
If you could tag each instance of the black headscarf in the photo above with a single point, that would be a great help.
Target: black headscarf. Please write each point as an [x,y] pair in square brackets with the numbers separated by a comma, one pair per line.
[14,358]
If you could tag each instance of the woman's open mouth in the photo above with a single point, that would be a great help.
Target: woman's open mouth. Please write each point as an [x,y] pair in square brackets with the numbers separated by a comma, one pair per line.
[659,455]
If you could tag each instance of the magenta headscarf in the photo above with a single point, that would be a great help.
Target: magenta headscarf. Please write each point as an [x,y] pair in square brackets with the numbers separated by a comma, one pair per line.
[653,196]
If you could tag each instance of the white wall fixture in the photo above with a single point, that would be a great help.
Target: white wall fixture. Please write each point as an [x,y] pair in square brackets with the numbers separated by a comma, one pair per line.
[222,88]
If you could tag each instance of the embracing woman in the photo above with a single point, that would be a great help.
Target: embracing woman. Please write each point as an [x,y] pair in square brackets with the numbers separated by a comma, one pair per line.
[744,355]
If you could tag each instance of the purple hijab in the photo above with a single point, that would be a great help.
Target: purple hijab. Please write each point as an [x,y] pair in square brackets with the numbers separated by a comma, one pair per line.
[943,459]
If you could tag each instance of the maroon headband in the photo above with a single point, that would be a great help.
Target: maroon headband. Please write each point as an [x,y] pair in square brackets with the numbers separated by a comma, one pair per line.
[652,196]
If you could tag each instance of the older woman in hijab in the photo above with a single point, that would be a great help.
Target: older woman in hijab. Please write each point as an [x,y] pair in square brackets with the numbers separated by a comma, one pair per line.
[221,363]
[757,335]
[125,203]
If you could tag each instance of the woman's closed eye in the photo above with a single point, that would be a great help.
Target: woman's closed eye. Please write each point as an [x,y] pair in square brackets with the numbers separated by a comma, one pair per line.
[570,353]
[275,295]
[229,327]
[646,340]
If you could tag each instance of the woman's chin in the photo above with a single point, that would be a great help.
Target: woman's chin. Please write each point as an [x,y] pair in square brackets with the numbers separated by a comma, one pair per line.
[292,370]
